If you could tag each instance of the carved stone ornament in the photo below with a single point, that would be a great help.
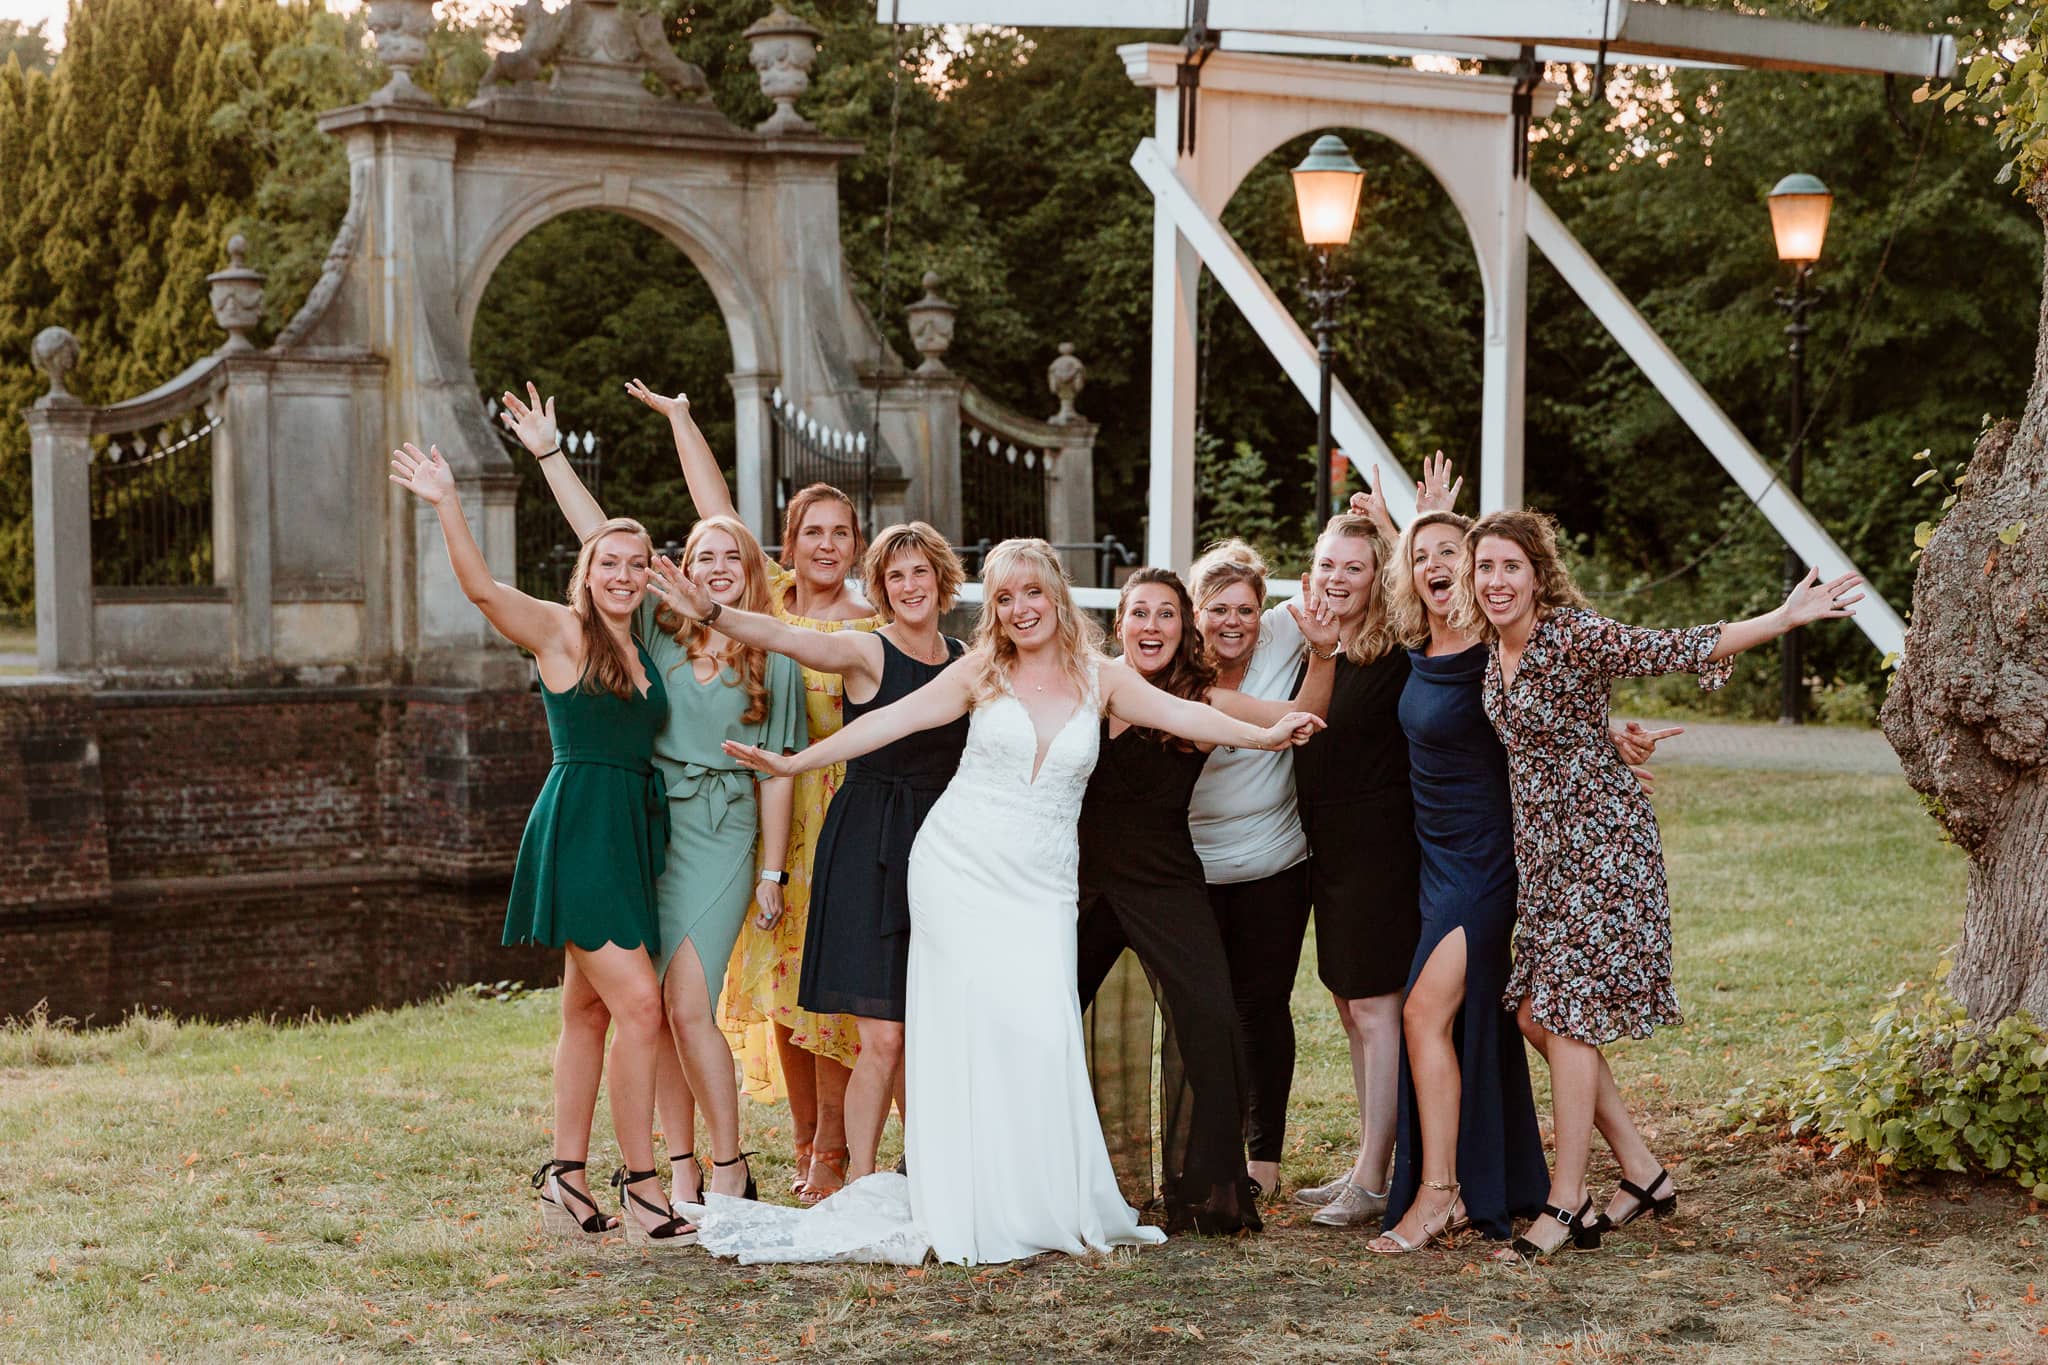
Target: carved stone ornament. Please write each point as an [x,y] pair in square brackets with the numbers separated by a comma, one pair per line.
[1066,377]
[55,352]
[401,28]
[237,296]
[784,48]
[598,53]
[931,325]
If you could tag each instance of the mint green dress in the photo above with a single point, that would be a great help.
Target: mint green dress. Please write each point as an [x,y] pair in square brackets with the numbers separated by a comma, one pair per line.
[714,818]
[597,840]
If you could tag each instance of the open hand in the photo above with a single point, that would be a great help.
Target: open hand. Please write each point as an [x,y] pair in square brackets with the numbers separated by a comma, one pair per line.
[667,581]
[760,760]
[1317,622]
[1815,601]
[426,475]
[768,897]
[532,421]
[1637,744]
[671,408]
[1437,492]
[1296,727]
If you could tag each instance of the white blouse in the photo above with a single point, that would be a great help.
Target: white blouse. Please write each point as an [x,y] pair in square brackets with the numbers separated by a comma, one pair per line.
[1243,816]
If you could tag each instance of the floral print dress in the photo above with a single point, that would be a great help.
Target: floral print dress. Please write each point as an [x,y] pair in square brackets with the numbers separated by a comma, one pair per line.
[1593,937]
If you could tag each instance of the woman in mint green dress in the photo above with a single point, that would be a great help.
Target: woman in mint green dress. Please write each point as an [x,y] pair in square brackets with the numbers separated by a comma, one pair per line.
[594,845]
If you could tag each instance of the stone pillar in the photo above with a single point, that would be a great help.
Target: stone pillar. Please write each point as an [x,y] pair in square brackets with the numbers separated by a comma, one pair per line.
[60,475]
[753,453]
[243,537]
[1070,491]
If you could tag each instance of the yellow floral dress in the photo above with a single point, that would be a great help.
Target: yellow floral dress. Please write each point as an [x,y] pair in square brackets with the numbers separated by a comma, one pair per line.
[761,984]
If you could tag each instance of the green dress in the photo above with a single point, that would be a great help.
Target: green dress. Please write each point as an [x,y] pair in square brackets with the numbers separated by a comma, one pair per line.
[597,839]
[713,814]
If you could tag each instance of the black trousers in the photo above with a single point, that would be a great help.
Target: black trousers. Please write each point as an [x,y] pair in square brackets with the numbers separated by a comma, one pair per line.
[1262,924]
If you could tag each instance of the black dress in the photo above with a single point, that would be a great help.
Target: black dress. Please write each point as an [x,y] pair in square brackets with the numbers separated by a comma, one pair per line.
[1352,782]
[857,943]
[1142,887]
[1464,821]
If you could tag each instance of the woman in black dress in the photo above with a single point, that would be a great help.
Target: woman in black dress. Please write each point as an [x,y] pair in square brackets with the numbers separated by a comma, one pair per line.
[857,944]
[1142,887]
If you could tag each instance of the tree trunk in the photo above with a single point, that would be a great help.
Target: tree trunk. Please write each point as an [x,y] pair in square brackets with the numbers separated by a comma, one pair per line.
[1968,708]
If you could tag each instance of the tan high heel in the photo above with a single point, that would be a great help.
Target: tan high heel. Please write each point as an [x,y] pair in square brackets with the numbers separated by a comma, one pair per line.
[1455,1219]
[832,1159]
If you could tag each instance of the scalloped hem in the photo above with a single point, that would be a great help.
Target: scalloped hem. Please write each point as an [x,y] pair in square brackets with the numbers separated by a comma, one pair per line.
[571,941]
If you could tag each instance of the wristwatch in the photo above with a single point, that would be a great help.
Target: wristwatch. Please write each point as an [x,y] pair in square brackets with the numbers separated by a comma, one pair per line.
[774,874]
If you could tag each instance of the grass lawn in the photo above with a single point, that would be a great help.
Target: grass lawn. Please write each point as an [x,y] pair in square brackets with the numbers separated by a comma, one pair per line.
[357,1190]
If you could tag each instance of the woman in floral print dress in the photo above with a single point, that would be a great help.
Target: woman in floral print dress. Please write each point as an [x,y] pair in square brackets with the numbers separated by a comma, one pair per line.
[1593,941]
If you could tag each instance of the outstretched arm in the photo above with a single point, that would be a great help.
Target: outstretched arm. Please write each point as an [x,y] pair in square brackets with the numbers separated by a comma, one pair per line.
[852,654]
[1810,601]
[1318,625]
[1127,696]
[939,702]
[533,422]
[536,626]
[701,473]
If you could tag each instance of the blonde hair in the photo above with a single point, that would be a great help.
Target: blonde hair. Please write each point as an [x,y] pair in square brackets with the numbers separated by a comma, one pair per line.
[1226,562]
[1536,534]
[692,635]
[606,667]
[1076,636]
[1405,610]
[1374,634]
[915,537]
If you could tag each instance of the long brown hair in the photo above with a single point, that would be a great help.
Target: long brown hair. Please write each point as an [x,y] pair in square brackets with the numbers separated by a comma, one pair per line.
[606,667]
[693,635]
[1536,534]
[1374,635]
[800,507]
[1404,605]
[1190,673]
[915,537]
[1075,634]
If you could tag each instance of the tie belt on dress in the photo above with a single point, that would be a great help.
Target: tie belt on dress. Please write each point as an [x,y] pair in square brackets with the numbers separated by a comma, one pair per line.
[653,791]
[720,787]
[899,832]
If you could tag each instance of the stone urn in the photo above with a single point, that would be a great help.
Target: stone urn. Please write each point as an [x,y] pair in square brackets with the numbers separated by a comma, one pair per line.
[237,296]
[931,325]
[1066,377]
[783,49]
[55,353]
[400,28]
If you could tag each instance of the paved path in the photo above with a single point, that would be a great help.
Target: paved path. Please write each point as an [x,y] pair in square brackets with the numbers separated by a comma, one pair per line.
[1783,748]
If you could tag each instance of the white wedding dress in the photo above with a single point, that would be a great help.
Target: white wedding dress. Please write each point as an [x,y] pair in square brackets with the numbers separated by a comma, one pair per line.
[1004,1148]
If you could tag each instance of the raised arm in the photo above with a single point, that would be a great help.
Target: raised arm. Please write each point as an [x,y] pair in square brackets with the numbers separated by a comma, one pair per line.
[939,702]
[1128,697]
[852,654]
[537,626]
[1809,602]
[701,473]
[1318,626]
[533,422]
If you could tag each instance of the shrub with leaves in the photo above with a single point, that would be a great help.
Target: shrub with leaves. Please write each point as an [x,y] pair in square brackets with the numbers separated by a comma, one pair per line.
[1925,1089]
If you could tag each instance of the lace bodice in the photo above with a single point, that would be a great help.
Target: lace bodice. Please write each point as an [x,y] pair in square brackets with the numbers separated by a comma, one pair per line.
[1002,744]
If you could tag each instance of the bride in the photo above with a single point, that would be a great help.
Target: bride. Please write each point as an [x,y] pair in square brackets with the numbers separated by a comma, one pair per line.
[1005,1153]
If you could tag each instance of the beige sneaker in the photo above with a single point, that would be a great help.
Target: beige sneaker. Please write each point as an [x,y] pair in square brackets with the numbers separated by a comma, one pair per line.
[1315,1196]
[1353,1206]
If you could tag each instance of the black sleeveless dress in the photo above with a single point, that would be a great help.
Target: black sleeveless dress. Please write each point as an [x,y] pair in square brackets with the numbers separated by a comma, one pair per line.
[857,943]
[1142,887]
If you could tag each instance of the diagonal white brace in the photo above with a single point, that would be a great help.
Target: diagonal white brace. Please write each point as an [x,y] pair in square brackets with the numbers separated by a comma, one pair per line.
[1700,412]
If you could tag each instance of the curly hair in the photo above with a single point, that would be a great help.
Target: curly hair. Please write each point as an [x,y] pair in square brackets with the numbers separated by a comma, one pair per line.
[1015,563]
[1536,534]
[916,537]
[800,507]
[693,636]
[1373,636]
[1190,673]
[1405,609]
[606,667]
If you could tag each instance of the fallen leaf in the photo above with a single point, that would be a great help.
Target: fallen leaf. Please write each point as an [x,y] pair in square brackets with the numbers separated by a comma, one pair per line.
[497,1279]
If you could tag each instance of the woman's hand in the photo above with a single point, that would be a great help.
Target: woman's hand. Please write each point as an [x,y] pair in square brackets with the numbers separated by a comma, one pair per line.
[532,421]
[1313,616]
[671,408]
[767,895]
[1296,727]
[1372,503]
[427,476]
[1637,744]
[667,581]
[1437,492]
[1812,601]
[760,760]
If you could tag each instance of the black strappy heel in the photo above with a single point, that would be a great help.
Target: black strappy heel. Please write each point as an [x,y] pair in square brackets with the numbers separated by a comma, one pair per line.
[750,1192]
[1646,1202]
[1582,1230]
[671,1231]
[676,1159]
[554,1212]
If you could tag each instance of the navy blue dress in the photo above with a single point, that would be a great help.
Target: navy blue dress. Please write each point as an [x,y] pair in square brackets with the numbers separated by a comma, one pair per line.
[1464,821]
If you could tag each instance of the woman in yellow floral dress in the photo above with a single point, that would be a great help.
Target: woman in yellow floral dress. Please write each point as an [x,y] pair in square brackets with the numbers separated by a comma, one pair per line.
[821,544]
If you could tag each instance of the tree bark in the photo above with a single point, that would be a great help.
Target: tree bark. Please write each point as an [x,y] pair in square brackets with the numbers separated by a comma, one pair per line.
[1968,707]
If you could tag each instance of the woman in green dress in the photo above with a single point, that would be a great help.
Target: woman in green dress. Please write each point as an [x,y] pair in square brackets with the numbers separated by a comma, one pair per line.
[594,845]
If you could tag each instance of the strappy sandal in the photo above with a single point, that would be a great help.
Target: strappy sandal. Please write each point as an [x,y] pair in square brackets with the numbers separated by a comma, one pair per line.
[1582,1231]
[677,1165]
[750,1192]
[1646,1200]
[555,1196]
[671,1231]
[803,1169]
[832,1159]
[1455,1219]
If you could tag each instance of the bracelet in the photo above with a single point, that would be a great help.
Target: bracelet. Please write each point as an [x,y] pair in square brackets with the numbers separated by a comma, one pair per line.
[716,607]
[544,454]
[1335,650]
[774,874]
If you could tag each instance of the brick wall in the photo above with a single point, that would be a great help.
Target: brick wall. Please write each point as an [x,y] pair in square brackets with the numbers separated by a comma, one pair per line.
[53,834]
[460,771]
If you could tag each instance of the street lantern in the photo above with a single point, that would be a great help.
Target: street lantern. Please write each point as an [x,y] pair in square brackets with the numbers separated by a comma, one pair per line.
[1326,189]
[1799,221]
